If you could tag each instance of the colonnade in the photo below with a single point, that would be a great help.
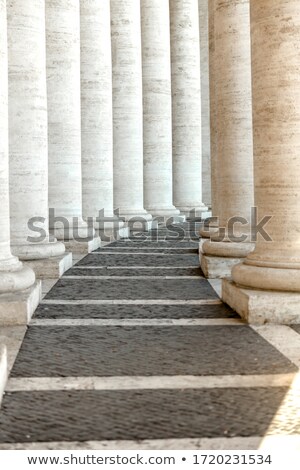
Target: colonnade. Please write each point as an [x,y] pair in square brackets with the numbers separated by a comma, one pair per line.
[255,138]
[101,110]
[100,124]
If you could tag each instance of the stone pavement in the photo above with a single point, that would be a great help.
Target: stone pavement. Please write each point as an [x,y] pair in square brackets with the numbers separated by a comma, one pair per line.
[133,349]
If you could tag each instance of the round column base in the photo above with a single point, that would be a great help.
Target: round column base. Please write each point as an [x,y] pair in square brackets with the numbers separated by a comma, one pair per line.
[18,280]
[227,249]
[191,210]
[208,231]
[166,212]
[265,278]
[36,251]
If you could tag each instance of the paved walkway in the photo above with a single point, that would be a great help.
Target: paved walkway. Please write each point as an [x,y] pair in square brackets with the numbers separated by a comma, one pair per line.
[133,348]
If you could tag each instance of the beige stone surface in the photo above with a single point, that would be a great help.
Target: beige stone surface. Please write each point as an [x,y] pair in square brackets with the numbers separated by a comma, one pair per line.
[12,337]
[213,109]
[262,306]
[275,265]
[17,308]
[51,268]
[217,267]
[232,111]
[186,106]
[83,246]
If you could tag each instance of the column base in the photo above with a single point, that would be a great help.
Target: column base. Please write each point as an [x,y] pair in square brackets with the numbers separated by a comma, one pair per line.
[129,215]
[17,308]
[38,251]
[83,246]
[163,212]
[217,267]
[51,268]
[260,307]
[192,212]
[112,234]
[3,369]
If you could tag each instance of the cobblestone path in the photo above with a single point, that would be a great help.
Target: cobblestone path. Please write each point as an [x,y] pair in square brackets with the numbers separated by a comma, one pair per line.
[132,348]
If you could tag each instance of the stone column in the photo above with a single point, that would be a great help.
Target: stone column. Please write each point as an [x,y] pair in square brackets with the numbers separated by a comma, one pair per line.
[19,294]
[127,108]
[28,141]
[205,114]
[186,106]
[157,108]
[213,108]
[96,110]
[234,139]
[210,225]
[64,120]
[271,274]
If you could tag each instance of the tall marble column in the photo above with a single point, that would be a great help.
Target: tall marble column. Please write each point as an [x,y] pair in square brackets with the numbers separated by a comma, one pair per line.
[271,274]
[157,108]
[211,225]
[205,114]
[64,121]
[17,282]
[234,139]
[96,109]
[186,106]
[28,140]
[212,105]
[127,108]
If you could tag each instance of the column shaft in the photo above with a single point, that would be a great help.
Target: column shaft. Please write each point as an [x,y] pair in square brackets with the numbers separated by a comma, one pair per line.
[213,109]
[157,107]
[63,82]
[205,120]
[186,106]
[127,108]
[13,275]
[275,29]
[234,136]
[96,109]
[28,144]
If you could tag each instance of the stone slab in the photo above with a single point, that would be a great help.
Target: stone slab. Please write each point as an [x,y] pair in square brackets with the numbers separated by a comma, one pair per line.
[161,272]
[145,414]
[83,351]
[133,311]
[84,246]
[132,289]
[217,267]
[3,369]
[140,245]
[51,268]
[259,307]
[133,249]
[17,308]
[139,260]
